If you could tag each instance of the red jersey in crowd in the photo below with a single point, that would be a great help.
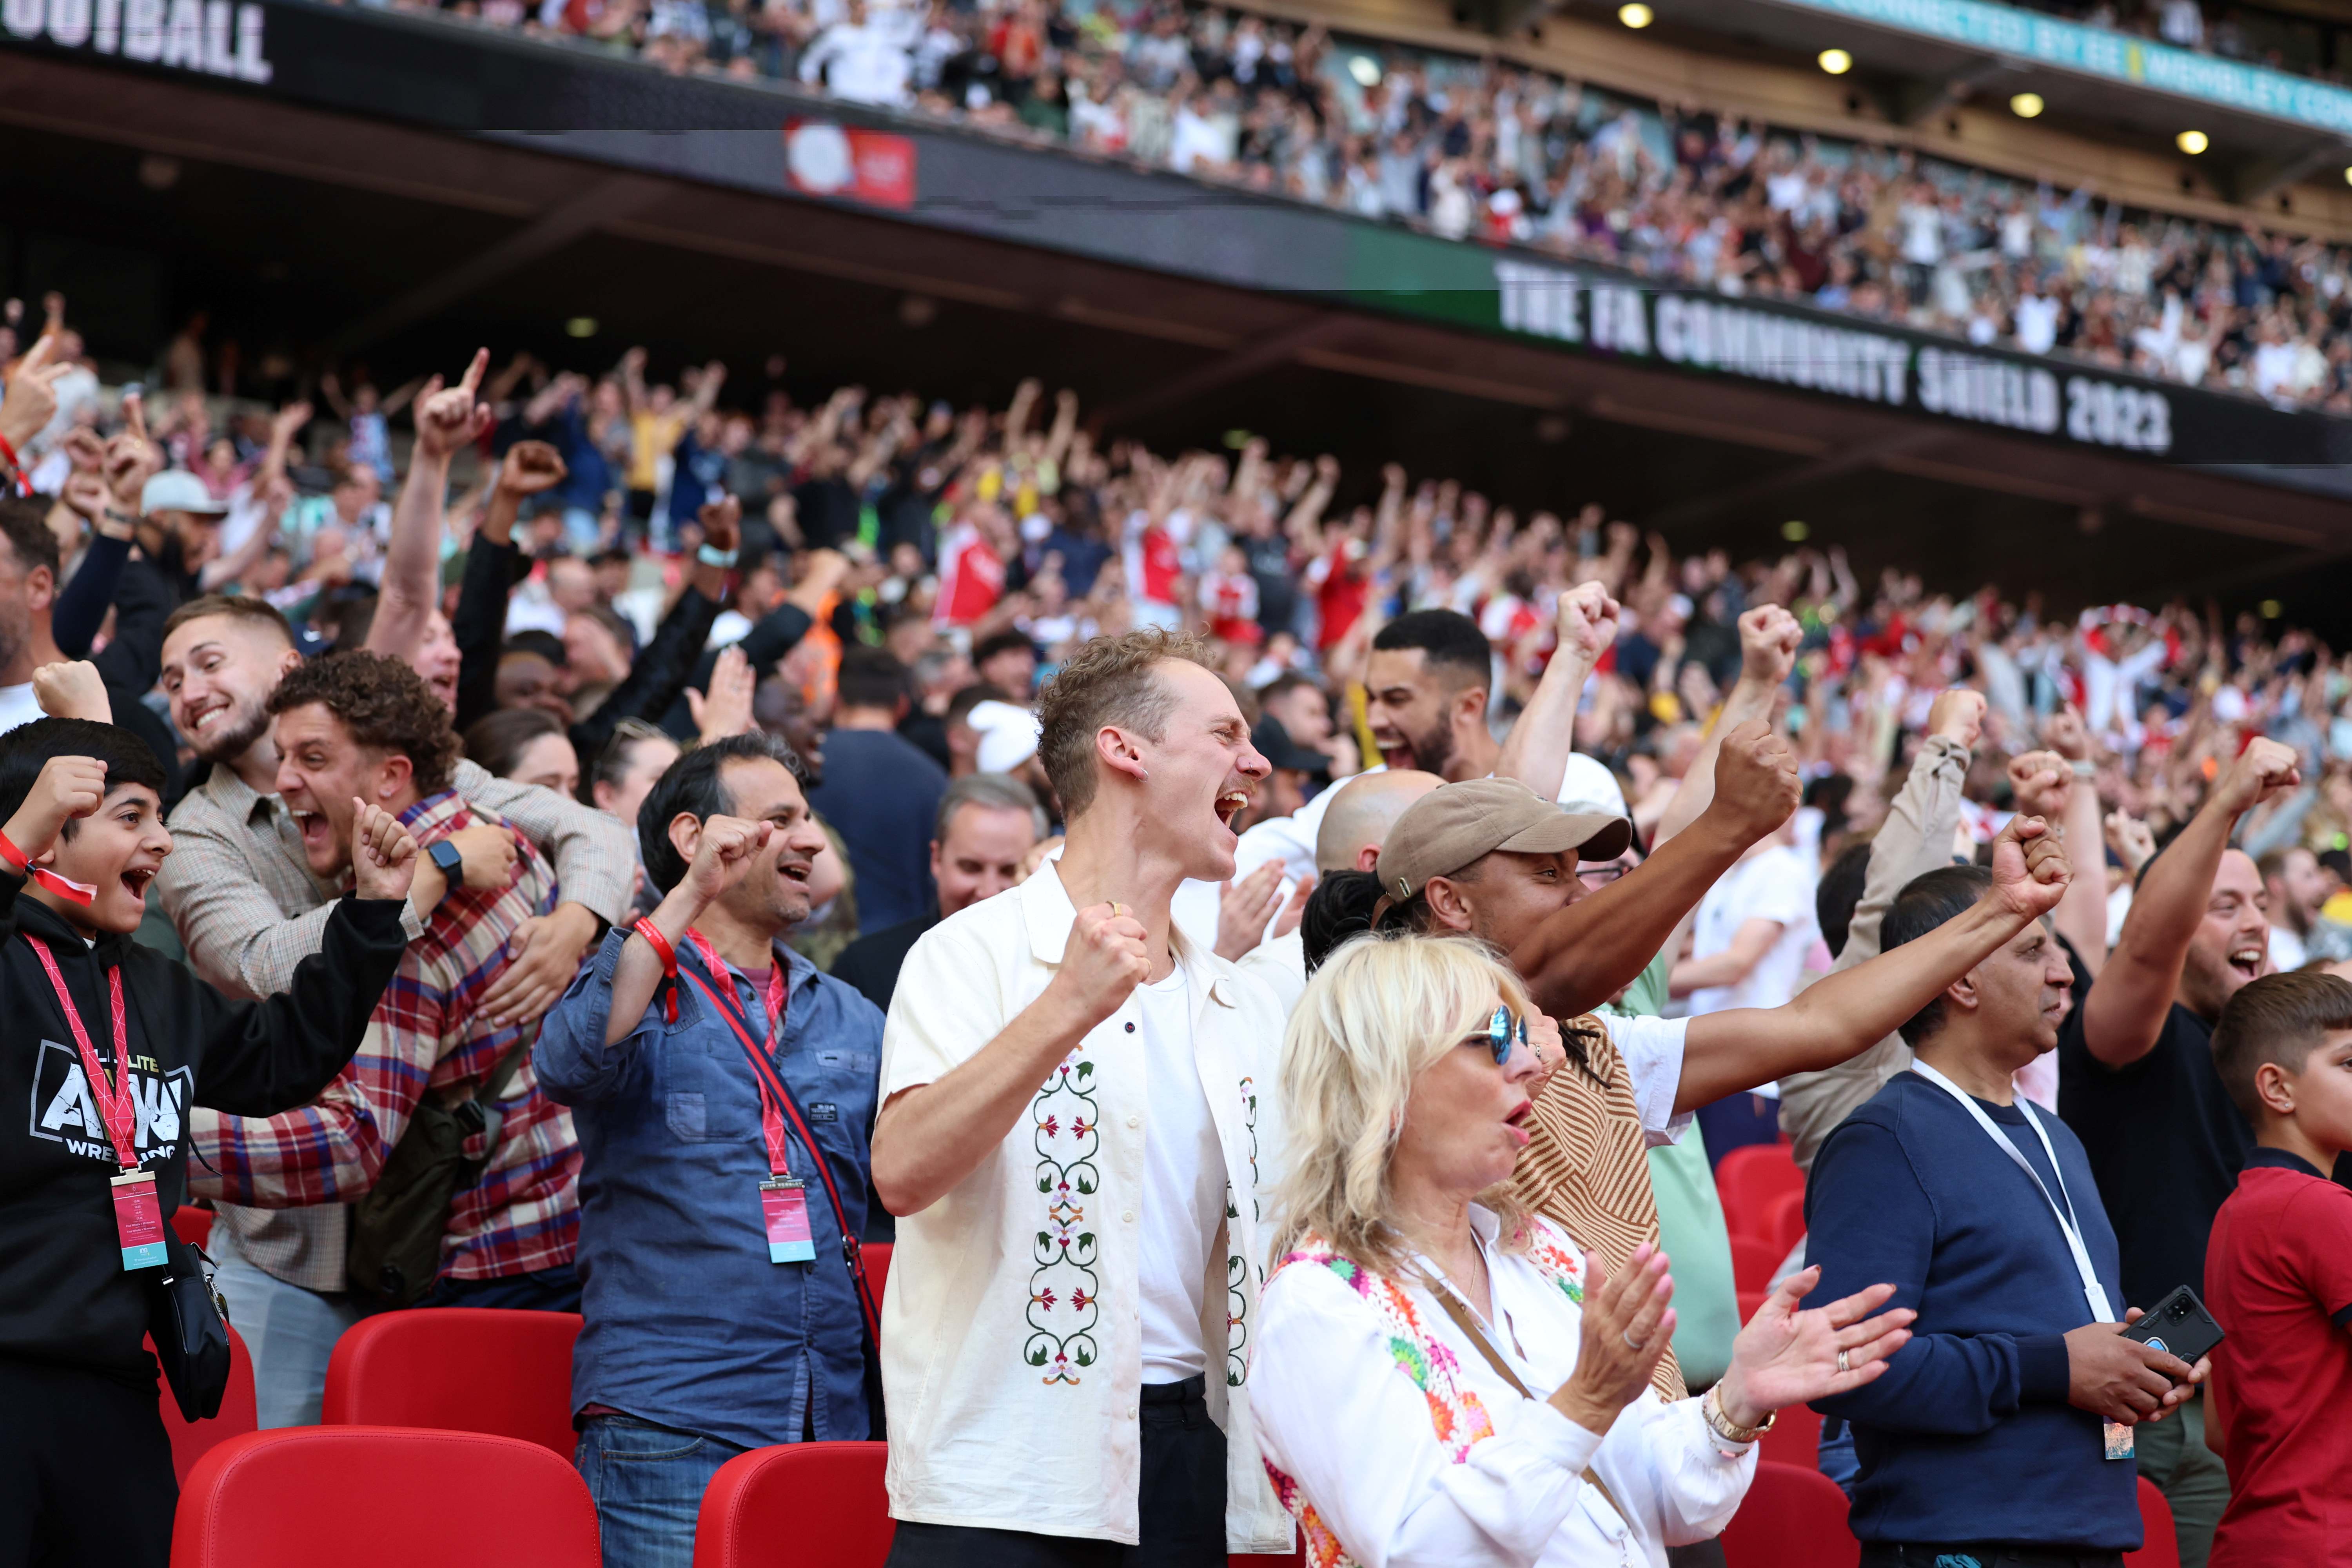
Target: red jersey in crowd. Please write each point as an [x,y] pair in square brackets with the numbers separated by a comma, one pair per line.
[1230,601]
[2278,1279]
[971,579]
[1341,589]
[1154,566]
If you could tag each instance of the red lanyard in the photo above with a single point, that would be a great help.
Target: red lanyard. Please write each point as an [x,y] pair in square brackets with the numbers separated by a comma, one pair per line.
[771,1112]
[116,1103]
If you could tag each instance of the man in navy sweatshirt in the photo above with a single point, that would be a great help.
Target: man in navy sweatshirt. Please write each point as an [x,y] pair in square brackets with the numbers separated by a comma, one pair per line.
[1985,1442]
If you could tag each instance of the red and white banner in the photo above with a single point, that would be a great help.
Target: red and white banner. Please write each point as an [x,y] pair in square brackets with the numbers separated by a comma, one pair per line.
[828,160]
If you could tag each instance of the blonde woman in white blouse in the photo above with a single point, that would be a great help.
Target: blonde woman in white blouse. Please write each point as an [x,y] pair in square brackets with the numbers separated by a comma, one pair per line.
[1432,1382]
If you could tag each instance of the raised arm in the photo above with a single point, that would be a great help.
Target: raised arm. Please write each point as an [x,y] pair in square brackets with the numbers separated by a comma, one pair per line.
[529,468]
[1769,637]
[1537,750]
[931,1136]
[447,419]
[1845,1013]
[1579,958]
[2125,1011]
[2047,785]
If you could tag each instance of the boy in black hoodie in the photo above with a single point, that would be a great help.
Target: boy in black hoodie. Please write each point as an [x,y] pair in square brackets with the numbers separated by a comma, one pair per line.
[85,1462]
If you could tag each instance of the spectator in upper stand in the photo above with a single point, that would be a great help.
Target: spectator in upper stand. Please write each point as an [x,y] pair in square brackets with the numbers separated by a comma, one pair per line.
[1984,1437]
[879,792]
[988,824]
[859,60]
[719,1316]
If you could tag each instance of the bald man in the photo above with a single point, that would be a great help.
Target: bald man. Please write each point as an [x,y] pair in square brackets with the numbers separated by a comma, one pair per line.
[1354,819]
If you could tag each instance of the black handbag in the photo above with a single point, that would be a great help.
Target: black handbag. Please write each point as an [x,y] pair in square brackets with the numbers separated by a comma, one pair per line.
[396,1229]
[185,1318]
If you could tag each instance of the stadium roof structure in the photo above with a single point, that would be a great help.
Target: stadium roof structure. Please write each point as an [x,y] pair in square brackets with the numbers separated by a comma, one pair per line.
[2266,129]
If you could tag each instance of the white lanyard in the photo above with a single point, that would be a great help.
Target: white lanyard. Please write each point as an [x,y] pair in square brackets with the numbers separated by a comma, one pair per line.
[2093,1291]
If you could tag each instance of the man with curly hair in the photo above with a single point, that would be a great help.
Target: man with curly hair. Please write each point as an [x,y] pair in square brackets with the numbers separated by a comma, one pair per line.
[359,728]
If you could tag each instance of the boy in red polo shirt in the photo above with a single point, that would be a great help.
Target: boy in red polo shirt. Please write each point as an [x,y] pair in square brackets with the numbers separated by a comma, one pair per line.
[2278,1277]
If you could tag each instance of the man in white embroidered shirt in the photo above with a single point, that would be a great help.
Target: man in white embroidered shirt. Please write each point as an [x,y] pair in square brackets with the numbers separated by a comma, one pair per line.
[1075,1101]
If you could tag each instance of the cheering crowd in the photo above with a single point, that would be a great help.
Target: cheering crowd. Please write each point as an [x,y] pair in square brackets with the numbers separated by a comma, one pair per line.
[1480,149]
[1278,959]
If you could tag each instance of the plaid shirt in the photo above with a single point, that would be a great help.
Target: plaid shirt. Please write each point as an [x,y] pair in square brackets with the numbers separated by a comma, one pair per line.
[427,1037]
[238,889]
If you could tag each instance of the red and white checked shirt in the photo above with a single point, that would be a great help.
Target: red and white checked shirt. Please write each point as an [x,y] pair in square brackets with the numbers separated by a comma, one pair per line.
[426,1036]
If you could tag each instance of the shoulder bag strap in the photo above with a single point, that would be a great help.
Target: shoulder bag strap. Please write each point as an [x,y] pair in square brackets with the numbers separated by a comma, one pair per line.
[1453,1308]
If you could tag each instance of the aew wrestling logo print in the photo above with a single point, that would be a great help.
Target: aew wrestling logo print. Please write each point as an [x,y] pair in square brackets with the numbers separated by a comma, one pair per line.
[64,1111]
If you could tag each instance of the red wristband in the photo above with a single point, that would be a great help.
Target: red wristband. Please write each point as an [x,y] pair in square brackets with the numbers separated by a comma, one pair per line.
[8,454]
[16,859]
[645,928]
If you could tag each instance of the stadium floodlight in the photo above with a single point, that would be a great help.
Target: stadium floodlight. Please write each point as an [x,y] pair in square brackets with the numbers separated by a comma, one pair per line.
[2192,142]
[2269,609]
[1365,69]
[2347,177]
[1636,14]
[1795,531]
[1837,62]
[2026,105]
[581,326]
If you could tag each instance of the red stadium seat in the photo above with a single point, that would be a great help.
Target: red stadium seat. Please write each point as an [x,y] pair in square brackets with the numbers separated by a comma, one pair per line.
[194,1225]
[1795,1440]
[2162,1548]
[1792,1518]
[1748,1179]
[1786,1218]
[1293,1558]
[877,1268]
[462,1369]
[797,1505]
[1753,1260]
[191,1440]
[382,1496]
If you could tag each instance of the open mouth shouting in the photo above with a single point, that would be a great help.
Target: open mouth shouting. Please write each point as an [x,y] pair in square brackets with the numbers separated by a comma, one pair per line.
[793,871]
[2246,960]
[135,881]
[1229,804]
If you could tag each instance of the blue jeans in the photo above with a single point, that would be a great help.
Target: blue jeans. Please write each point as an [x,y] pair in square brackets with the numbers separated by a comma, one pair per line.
[648,1482]
[288,1331]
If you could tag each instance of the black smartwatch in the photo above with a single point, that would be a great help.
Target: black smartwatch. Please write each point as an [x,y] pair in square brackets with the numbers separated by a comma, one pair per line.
[450,859]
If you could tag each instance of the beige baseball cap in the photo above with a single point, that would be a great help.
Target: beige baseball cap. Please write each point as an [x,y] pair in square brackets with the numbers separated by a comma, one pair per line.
[1452,825]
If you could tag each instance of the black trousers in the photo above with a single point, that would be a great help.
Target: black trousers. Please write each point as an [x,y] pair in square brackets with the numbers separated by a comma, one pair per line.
[84,1471]
[1983,1555]
[1182,1510]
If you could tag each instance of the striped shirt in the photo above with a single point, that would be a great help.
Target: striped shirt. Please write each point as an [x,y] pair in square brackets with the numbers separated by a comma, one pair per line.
[240,893]
[427,1037]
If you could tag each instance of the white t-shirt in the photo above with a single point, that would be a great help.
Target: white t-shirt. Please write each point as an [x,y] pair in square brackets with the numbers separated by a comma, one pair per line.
[1183,1186]
[1772,885]
[17,707]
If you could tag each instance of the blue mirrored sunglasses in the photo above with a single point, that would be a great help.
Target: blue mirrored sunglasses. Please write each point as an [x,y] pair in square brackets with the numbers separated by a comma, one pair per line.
[1500,1035]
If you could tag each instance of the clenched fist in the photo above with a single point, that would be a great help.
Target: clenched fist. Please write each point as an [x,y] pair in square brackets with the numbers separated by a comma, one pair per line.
[531,467]
[72,689]
[2265,769]
[1957,714]
[383,853]
[1104,960]
[2043,783]
[2030,871]
[1585,620]
[1755,784]
[69,786]
[1769,637]
[722,856]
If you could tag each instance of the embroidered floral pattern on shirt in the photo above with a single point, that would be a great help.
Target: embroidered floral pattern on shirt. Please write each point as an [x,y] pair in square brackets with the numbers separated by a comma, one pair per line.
[1457,1414]
[1065,1291]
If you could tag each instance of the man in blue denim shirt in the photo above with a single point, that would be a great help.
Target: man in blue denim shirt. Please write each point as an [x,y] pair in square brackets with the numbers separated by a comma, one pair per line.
[696,1345]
